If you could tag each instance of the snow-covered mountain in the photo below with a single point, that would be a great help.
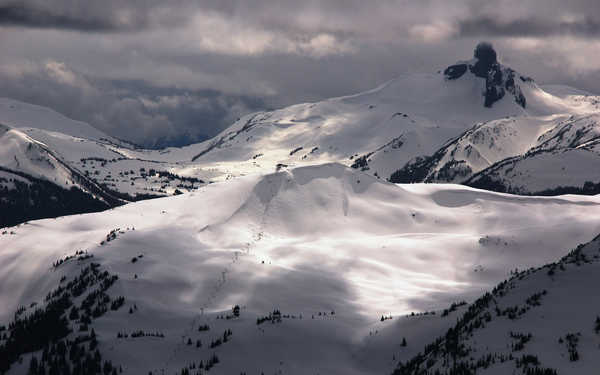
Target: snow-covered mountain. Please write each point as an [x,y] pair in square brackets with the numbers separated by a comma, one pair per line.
[19,152]
[26,116]
[380,130]
[35,183]
[51,166]
[292,253]
[313,256]
[516,153]
[525,154]
[476,122]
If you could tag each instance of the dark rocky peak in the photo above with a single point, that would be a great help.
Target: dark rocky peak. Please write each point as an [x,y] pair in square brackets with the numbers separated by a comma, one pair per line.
[486,60]
[499,79]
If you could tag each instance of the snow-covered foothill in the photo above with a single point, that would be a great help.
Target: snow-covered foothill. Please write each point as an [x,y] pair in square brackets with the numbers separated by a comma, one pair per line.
[332,249]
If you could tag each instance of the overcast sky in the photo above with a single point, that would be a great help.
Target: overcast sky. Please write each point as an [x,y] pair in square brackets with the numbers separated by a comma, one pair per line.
[172,72]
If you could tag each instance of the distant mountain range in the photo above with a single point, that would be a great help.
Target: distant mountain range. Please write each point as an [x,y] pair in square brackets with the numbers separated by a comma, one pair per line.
[477,123]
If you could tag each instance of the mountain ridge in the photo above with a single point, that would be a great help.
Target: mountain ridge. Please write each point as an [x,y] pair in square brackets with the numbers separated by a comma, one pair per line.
[440,124]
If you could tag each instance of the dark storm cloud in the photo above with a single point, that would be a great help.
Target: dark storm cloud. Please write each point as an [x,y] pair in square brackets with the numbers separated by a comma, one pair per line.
[90,16]
[23,14]
[492,26]
[167,72]
[189,115]
[134,110]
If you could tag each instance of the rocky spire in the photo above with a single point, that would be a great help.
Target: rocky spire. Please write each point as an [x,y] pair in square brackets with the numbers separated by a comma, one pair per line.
[498,79]
[486,59]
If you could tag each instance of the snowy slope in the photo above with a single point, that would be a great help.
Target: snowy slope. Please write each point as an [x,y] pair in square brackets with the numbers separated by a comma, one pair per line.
[489,143]
[540,321]
[461,120]
[566,159]
[325,262]
[21,153]
[323,241]
[36,183]
[410,116]
[18,114]
[39,147]
[449,126]
[544,172]
[517,155]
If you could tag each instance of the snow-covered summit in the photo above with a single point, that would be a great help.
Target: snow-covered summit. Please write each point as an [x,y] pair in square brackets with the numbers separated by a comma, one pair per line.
[381,130]
[551,147]
[499,80]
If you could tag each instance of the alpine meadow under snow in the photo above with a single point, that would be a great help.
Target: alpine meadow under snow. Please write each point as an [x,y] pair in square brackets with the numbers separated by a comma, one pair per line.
[417,228]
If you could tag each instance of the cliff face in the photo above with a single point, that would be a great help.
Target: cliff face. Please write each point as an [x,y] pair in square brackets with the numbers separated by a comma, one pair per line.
[499,79]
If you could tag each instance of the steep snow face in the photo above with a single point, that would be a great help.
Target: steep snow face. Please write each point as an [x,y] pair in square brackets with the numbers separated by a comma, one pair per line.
[478,148]
[565,159]
[489,143]
[574,132]
[18,114]
[21,153]
[545,172]
[524,155]
[323,241]
[563,91]
[540,321]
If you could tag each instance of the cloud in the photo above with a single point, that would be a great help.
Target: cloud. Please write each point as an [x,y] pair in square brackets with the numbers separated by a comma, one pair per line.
[59,72]
[159,72]
[43,15]
[133,110]
[107,16]
[433,32]
[22,14]
[526,27]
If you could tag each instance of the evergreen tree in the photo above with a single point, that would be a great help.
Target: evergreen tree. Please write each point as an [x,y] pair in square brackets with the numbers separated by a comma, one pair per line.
[33,366]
